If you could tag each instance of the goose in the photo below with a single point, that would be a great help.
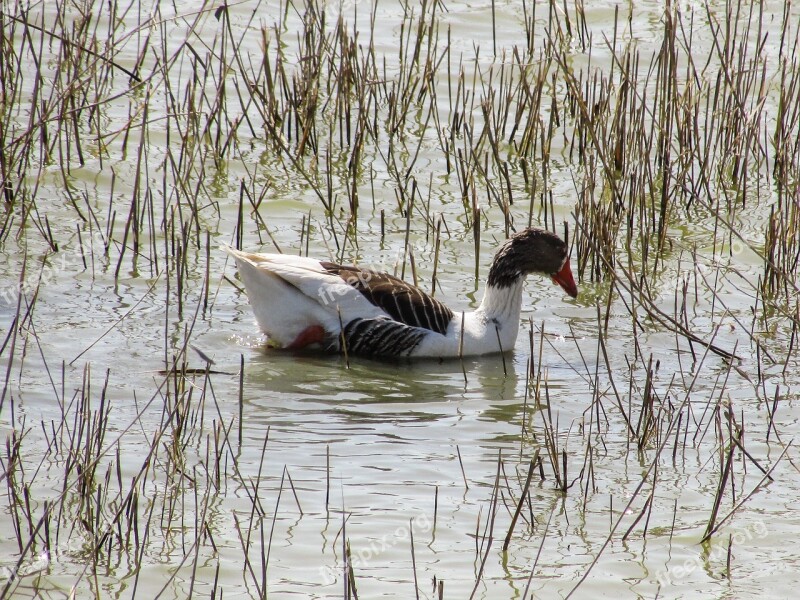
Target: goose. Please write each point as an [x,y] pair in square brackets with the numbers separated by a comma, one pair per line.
[301,302]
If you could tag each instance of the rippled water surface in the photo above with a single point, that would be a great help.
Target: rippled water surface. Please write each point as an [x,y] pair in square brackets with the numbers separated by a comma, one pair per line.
[264,483]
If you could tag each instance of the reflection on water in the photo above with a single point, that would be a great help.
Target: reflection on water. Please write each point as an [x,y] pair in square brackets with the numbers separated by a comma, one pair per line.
[371,453]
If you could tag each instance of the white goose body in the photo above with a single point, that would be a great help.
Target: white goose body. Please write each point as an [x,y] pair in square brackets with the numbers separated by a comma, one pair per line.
[303,302]
[493,327]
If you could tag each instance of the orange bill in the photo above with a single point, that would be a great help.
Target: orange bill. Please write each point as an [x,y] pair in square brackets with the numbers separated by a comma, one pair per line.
[565,280]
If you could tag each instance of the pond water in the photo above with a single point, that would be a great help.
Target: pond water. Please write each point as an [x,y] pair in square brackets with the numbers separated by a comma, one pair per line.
[282,479]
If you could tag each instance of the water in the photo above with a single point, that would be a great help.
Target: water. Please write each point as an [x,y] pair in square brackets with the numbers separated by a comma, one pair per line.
[379,452]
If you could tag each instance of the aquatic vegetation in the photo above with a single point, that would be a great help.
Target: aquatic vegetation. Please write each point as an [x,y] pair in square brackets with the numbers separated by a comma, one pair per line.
[643,436]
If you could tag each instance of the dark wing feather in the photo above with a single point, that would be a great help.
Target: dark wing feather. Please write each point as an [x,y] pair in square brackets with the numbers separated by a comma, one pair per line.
[404,302]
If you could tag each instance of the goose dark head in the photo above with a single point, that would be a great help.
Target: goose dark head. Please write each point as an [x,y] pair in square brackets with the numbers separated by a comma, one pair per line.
[532,250]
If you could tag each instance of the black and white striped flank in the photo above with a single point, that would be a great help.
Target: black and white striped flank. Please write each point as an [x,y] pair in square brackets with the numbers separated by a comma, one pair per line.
[381,337]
